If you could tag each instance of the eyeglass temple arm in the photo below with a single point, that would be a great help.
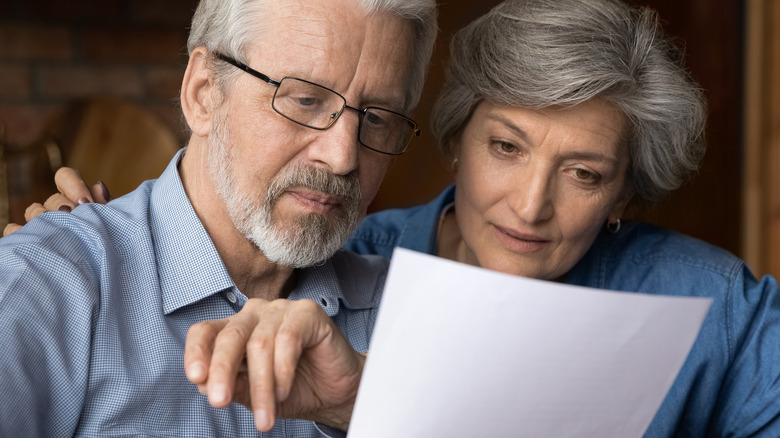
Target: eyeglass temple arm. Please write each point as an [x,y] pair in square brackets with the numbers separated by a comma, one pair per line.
[247,69]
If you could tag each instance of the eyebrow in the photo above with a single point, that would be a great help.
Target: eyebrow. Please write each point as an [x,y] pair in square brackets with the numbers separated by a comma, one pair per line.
[582,155]
[509,124]
[592,156]
[394,103]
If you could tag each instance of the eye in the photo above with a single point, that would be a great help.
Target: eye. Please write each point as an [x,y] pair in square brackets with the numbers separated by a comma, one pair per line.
[586,176]
[583,174]
[374,118]
[306,101]
[505,147]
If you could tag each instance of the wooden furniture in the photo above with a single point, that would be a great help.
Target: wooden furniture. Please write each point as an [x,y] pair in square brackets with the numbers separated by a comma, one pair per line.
[104,138]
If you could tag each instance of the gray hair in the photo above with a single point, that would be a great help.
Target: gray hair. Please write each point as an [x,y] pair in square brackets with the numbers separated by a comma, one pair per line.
[540,53]
[228,27]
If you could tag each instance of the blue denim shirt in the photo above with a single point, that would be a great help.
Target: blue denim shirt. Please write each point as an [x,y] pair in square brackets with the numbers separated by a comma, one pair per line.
[95,308]
[730,382]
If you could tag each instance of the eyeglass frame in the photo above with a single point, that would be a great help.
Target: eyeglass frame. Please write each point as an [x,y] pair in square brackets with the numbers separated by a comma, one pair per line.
[361,112]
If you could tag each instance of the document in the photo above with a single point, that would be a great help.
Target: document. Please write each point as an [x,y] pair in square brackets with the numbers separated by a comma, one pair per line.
[460,351]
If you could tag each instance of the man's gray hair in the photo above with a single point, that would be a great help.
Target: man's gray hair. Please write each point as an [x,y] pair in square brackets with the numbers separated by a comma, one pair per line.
[228,26]
[541,53]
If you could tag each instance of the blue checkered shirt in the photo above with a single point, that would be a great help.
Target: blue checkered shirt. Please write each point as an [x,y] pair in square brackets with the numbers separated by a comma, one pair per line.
[95,308]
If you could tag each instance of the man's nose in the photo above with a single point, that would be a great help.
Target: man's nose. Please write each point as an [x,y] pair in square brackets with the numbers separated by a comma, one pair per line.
[337,147]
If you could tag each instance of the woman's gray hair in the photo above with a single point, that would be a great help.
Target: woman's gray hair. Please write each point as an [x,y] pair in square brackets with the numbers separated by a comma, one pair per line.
[230,26]
[541,53]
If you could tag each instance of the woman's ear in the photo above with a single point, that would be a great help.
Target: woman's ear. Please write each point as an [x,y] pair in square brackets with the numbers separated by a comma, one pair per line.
[197,90]
[454,154]
[454,166]
[620,206]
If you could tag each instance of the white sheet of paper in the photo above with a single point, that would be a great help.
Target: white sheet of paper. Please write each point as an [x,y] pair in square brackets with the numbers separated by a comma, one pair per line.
[460,351]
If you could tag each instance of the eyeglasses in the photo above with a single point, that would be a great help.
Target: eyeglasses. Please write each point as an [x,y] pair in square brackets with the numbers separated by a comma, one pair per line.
[317,107]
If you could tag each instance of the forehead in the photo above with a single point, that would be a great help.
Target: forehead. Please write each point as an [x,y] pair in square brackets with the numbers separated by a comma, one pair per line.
[594,124]
[335,43]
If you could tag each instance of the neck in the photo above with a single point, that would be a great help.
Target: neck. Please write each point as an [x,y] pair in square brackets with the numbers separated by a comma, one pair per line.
[449,239]
[254,275]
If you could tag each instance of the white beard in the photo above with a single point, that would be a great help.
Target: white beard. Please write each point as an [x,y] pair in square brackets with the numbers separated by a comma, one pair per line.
[309,239]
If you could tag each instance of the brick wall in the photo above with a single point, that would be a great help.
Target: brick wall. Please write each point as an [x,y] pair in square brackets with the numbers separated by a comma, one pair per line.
[53,53]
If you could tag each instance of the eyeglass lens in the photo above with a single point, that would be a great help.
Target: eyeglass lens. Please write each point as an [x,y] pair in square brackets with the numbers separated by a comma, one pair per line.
[318,107]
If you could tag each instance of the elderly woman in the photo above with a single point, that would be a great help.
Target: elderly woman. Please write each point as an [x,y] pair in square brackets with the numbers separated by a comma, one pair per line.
[557,115]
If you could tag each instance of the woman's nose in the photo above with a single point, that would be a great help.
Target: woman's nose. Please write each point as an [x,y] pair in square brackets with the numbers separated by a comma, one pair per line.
[533,202]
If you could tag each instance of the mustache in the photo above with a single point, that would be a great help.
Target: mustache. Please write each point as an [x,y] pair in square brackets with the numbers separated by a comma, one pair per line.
[345,187]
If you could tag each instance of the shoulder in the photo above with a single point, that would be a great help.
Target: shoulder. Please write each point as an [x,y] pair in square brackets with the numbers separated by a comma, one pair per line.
[736,345]
[414,228]
[646,258]
[644,243]
[81,236]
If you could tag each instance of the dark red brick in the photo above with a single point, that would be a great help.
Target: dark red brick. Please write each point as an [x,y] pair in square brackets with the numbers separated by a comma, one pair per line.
[82,10]
[173,12]
[145,45]
[78,81]
[15,82]
[35,42]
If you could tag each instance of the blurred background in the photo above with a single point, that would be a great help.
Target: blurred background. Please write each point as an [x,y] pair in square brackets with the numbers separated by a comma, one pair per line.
[94,84]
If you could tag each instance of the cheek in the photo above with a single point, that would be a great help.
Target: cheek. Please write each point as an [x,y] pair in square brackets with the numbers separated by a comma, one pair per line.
[371,172]
[475,198]
[263,131]
[259,151]
[479,186]
[581,223]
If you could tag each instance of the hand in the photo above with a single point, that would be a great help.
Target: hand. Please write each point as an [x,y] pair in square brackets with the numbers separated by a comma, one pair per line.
[73,191]
[298,364]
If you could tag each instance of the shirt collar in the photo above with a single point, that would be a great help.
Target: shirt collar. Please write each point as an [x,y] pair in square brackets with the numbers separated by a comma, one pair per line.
[189,266]
[420,229]
[346,279]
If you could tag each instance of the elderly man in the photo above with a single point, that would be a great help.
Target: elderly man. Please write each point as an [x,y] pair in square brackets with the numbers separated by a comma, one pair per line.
[296,109]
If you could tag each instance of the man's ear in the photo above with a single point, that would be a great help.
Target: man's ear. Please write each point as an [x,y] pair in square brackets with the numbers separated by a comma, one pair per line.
[197,90]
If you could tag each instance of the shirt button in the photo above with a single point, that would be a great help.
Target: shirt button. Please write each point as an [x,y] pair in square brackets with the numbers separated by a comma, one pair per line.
[231,296]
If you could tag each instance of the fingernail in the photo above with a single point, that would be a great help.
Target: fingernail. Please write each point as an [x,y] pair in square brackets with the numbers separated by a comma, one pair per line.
[218,395]
[195,372]
[262,420]
[83,201]
[64,208]
[106,195]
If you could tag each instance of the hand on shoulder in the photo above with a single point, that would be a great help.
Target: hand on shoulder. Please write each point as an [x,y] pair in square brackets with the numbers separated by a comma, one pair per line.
[73,191]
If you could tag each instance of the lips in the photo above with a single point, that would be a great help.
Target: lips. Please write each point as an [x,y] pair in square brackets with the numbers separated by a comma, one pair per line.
[317,201]
[519,242]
